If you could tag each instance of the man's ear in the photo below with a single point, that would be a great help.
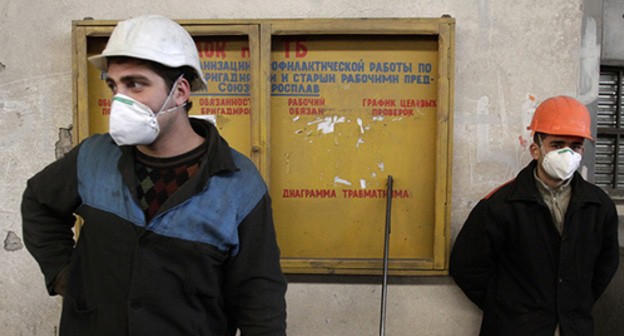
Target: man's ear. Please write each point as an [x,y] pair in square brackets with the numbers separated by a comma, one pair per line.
[536,153]
[183,91]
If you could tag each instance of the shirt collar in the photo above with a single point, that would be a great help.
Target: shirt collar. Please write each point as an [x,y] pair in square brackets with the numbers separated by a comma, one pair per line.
[543,187]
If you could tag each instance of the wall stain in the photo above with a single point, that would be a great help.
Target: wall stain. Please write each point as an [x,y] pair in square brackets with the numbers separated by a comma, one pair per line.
[12,242]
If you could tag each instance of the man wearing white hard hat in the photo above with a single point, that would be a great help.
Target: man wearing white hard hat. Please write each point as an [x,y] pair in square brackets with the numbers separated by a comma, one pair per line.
[537,252]
[178,235]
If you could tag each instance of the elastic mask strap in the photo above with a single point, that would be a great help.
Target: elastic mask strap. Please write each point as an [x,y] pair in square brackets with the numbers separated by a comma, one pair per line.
[171,109]
[175,86]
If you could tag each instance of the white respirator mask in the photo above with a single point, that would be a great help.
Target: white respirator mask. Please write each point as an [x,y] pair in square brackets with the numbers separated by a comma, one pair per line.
[561,163]
[134,123]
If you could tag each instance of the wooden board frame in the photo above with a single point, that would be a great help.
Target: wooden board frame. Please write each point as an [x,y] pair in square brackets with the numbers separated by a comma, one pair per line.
[260,34]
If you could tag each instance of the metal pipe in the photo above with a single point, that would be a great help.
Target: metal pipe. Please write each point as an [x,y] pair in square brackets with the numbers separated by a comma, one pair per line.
[384,288]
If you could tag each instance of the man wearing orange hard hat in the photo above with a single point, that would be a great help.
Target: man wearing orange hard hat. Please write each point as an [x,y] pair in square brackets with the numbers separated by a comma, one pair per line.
[537,252]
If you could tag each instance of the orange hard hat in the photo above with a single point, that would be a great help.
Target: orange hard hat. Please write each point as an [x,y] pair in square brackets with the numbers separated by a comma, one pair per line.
[562,115]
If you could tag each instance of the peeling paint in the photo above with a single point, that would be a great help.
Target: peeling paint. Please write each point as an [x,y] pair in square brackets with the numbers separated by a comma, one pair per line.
[327,125]
[363,183]
[359,122]
[361,125]
[528,109]
[338,180]
[12,242]
[359,142]
[64,144]
[381,166]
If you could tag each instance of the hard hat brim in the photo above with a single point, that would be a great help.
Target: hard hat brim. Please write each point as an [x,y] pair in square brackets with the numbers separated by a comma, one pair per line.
[101,62]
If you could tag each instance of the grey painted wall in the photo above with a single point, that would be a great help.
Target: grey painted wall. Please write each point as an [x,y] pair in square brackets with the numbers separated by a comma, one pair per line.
[612,46]
[510,55]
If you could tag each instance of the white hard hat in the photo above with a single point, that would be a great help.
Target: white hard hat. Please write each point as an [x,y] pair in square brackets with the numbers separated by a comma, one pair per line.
[154,38]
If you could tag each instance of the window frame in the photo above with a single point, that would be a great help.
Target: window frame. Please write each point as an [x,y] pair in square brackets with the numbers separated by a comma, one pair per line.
[609,156]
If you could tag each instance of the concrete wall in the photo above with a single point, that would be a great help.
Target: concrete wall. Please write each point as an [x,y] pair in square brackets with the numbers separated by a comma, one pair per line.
[510,55]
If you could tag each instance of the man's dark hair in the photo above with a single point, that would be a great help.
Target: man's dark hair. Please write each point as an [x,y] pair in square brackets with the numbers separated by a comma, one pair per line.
[168,74]
[538,137]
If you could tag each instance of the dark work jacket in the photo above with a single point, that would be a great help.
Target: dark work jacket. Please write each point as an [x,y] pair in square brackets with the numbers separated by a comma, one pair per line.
[510,260]
[206,264]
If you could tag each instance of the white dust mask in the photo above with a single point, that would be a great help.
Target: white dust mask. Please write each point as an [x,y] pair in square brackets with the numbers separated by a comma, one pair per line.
[134,123]
[561,163]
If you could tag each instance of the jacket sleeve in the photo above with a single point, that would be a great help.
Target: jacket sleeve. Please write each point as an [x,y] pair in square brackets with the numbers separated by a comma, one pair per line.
[254,283]
[608,259]
[48,203]
[473,260]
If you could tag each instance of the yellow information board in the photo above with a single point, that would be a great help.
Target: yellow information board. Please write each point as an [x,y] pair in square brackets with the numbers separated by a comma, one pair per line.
[327,110]
[346,112]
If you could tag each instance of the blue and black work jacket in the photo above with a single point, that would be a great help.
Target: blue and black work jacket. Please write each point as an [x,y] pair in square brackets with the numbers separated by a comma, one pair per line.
[511,261]
[206,264]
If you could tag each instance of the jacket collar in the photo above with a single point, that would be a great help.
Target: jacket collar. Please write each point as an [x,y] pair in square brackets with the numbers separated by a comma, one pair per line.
[218,157]
[217,160]
[525,190]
